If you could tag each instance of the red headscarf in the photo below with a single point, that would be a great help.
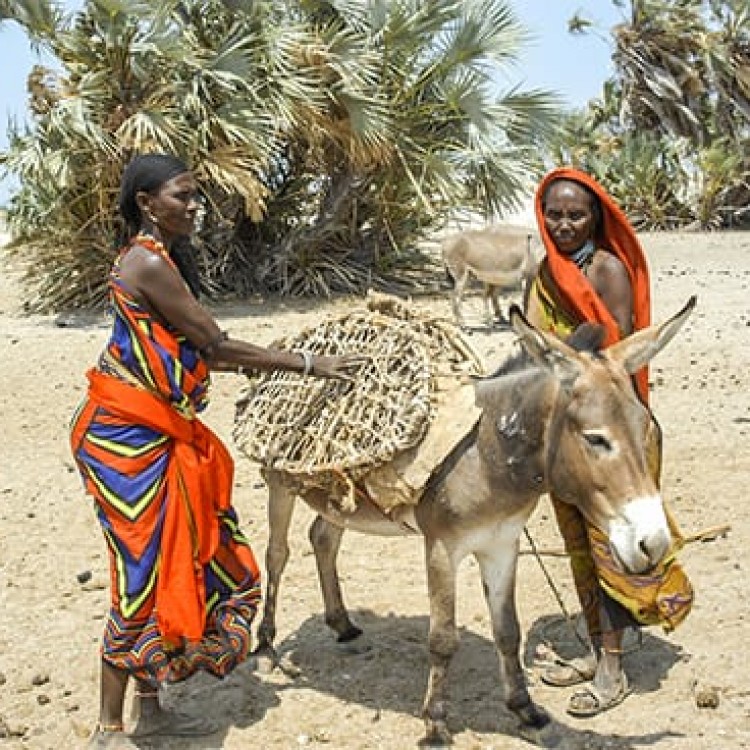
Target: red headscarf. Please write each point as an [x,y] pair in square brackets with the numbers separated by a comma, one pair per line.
[614,233]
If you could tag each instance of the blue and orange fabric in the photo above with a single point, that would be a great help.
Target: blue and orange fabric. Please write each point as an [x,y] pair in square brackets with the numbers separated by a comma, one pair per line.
[185,583]
[563,298]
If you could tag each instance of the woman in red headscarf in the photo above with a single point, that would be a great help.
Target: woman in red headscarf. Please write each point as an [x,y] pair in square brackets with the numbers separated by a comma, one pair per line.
[595,271]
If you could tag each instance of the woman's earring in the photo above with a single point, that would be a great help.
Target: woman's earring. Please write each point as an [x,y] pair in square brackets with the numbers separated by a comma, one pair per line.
[152,218]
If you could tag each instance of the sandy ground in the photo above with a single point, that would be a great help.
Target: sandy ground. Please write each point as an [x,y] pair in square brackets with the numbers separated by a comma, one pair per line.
[370,696]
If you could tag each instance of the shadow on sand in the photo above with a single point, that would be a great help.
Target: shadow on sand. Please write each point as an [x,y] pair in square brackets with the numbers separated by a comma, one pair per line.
[385,670]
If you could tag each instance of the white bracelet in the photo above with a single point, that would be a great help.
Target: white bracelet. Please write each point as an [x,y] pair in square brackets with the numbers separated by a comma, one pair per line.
[307,359]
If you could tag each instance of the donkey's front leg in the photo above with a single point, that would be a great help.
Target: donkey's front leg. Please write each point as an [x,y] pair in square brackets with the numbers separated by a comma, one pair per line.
[326,541]
[493,312]
[498,561]
[280,507]
[459,282]
[443,638]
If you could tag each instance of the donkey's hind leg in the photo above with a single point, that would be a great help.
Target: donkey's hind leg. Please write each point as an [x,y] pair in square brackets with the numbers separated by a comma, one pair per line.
[280,506]
[492,312]
[326,541]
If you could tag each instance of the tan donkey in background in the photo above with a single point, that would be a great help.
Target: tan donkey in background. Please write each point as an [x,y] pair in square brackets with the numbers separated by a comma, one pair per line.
[501,257]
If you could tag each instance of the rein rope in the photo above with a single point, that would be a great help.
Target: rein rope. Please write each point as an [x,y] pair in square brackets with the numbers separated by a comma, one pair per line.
[553,586]
[551,446]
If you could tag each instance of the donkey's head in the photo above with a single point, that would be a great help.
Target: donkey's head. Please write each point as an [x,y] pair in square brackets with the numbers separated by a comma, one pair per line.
[600,437]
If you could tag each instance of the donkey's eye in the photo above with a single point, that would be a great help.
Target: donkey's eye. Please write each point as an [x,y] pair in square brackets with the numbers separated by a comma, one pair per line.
[597,441]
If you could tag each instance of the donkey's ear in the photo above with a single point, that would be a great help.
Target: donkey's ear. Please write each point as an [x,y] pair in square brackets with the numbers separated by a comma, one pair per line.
[639,348]
[546,349]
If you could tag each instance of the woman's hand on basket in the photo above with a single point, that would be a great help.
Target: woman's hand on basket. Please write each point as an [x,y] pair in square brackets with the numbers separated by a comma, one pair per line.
[338,368]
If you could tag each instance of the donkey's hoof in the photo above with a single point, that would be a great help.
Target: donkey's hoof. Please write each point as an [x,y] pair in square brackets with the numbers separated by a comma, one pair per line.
[528,713]
[438,735]
[351,632]
[531,716]
[266,660]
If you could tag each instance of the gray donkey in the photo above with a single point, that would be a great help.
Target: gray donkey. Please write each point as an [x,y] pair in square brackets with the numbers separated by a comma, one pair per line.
[567,422]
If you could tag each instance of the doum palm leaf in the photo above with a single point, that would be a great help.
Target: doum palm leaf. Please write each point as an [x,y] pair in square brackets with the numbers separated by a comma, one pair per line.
[329,139]
[40,18]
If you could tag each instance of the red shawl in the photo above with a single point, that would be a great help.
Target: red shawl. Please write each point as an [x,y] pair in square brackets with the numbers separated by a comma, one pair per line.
[615,234]
[199,479]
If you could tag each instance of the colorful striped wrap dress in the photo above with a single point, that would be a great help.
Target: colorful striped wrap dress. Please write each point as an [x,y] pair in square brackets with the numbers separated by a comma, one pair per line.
[185,584]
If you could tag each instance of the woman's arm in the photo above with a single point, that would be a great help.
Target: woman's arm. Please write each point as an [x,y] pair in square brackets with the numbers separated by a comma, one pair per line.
[610,279]
[162,290]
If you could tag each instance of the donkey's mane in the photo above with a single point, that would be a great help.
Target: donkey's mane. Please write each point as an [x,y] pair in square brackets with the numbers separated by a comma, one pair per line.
[516,362]
[588,337]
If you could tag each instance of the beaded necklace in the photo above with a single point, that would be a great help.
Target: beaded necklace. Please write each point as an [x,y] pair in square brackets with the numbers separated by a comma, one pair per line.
[582,257]
[150,243]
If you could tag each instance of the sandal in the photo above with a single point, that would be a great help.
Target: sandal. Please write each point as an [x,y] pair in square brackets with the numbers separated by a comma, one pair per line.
[172,724]
[591,701]
[565,673]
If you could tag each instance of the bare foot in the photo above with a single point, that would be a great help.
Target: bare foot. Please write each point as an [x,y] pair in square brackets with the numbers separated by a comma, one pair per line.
[609,678]
[608,689]
[593,699]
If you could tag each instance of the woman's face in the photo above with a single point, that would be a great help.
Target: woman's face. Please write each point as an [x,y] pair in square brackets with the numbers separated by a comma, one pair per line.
[174,206]
[569,216]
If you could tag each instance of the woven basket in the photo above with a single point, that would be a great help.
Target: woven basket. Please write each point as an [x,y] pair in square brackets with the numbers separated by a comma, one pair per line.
[330,433]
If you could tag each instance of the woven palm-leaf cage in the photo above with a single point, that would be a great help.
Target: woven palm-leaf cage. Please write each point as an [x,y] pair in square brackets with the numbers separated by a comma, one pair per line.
[330,433]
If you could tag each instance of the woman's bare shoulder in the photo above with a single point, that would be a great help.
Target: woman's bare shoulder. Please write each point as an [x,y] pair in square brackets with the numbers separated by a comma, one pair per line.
[139,259]
[607,265]
[607,259]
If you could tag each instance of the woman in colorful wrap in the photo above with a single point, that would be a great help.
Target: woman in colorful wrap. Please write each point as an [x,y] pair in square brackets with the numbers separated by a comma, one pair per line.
[185,584]
[595,271]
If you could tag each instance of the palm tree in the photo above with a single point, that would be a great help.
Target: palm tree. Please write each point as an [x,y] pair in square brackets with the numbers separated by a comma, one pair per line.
[659,59]
[681,113]
[328,137]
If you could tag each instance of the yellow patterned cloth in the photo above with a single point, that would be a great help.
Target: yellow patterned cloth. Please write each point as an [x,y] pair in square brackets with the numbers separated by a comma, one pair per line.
[663,596]
[549,314]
